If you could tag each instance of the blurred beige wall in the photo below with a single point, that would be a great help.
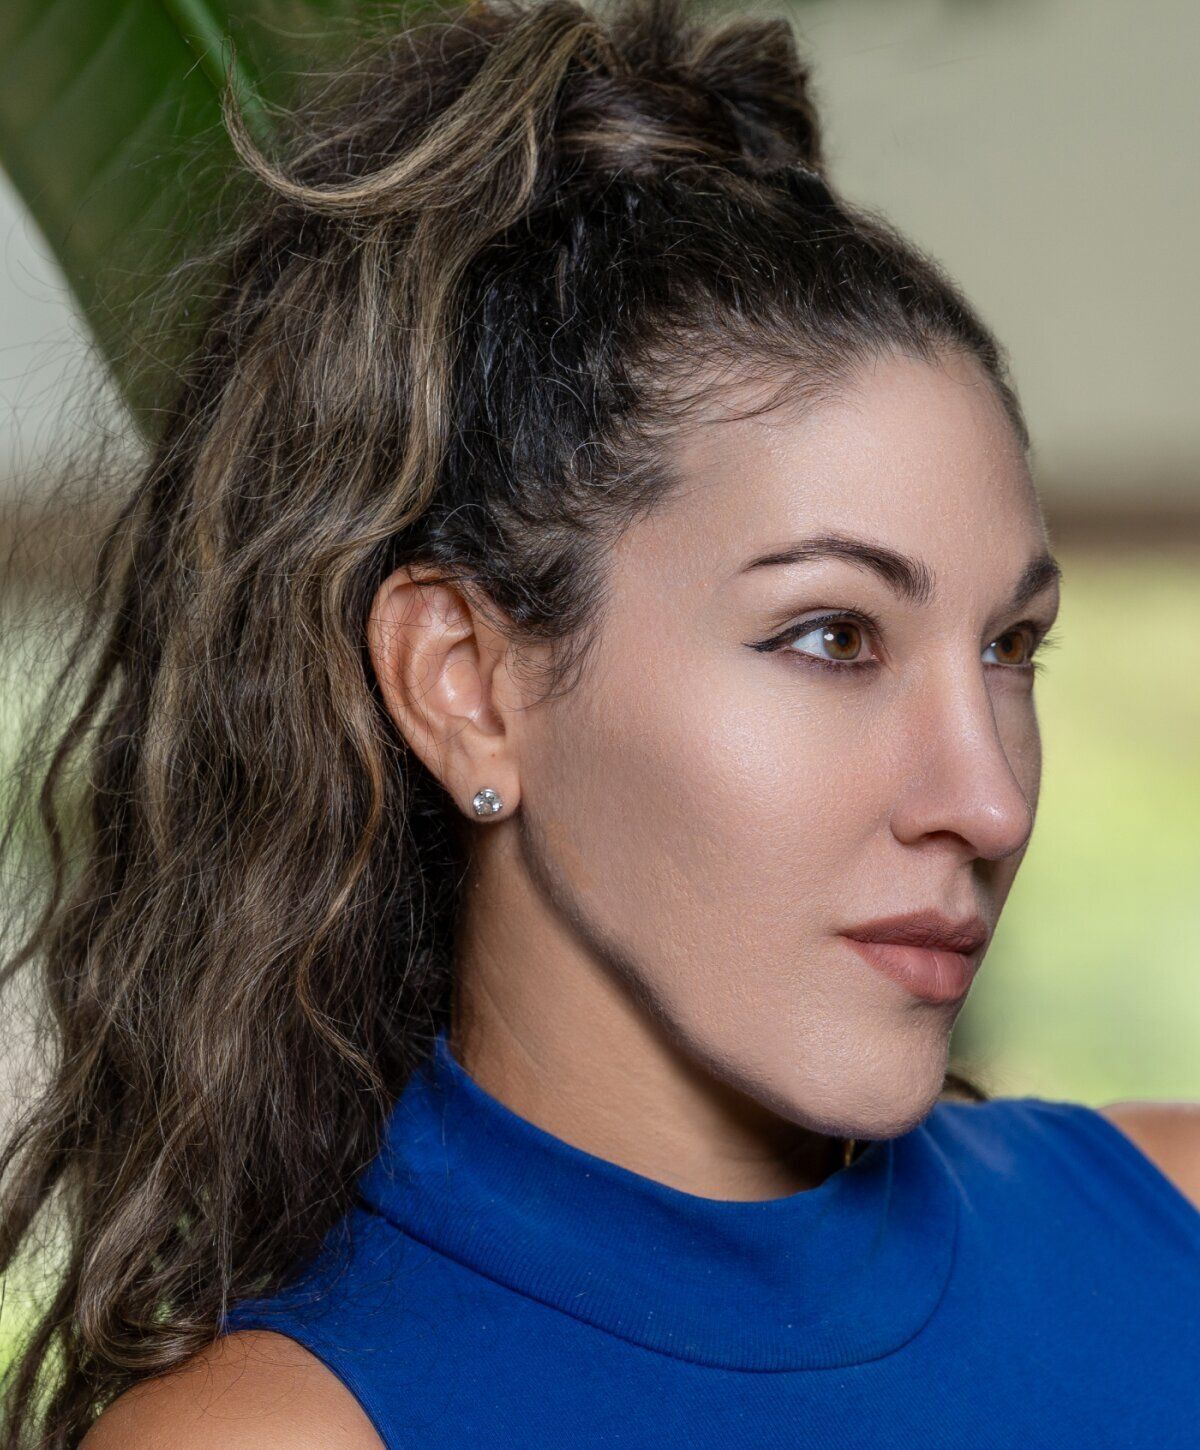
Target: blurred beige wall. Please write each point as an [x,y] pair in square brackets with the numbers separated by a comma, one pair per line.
[1045,150]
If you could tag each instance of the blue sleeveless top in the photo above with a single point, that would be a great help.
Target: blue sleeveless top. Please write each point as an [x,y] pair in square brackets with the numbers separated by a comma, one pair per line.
[1008,1273]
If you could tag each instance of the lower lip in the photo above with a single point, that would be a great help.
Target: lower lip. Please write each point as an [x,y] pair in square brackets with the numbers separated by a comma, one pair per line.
[934,976]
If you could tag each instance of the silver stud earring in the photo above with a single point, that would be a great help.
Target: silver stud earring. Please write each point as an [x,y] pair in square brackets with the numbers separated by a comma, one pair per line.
[487,802]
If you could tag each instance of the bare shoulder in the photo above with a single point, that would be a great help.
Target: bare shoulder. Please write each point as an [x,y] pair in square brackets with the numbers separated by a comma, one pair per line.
[250,1390]
[1168,1133]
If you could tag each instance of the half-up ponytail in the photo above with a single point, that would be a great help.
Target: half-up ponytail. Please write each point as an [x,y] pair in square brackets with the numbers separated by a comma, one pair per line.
[464,171]
[459,318]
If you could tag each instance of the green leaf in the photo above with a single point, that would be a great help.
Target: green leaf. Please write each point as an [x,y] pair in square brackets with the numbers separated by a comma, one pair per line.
[110,129]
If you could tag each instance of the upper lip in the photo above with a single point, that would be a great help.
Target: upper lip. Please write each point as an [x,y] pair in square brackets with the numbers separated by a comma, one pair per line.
[927,928]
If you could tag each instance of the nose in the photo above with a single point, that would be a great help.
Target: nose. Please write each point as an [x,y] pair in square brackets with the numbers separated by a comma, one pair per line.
[958,776]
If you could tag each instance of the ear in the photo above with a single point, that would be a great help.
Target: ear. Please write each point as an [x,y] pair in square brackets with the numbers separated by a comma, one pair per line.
[443,673]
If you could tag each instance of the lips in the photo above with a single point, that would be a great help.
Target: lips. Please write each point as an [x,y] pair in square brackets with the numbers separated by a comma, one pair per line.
[933,975]
[929,928]
[930,953]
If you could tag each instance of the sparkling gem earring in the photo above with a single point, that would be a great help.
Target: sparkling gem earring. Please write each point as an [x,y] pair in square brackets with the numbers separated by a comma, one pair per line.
[486,802]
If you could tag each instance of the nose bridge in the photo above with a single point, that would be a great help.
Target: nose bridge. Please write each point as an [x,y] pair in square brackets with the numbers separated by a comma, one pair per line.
[961,778]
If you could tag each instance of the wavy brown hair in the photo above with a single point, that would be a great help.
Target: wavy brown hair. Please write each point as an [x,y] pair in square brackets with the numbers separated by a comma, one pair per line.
[460,314]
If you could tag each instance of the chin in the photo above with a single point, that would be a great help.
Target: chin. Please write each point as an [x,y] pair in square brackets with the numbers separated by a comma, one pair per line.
[877,1081]
[889,1124]
[895,1103]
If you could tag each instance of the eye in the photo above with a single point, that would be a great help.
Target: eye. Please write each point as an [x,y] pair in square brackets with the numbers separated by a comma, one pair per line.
[1017,646]
[1016,643]
[843,636]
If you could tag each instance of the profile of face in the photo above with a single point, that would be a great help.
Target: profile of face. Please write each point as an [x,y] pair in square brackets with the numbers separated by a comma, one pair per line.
[757,757]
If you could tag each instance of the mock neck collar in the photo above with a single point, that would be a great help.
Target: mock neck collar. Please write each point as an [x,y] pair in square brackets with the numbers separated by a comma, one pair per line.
[825,1277]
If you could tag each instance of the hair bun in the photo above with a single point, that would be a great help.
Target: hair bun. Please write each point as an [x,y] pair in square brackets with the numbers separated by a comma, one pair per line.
[756,69]
[666,89]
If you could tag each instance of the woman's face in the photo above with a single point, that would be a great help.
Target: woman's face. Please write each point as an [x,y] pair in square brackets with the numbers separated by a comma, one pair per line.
[703,816]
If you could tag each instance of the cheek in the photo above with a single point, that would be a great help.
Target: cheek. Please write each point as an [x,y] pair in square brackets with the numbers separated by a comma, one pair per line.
[702,827]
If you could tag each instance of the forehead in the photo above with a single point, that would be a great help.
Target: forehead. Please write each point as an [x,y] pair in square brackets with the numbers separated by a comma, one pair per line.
[918,455]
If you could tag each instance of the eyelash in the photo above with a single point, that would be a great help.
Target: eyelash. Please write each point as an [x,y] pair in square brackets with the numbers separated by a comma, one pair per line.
[1048,640]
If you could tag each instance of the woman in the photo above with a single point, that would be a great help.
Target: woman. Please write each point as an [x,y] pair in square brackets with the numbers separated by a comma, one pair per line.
[562,740]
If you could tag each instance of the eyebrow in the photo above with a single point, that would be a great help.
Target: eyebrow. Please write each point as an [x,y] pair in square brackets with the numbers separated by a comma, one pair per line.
[908,577]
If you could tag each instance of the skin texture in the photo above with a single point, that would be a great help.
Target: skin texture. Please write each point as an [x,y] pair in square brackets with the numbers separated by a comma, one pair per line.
[650,967]
[1168,1133]
[248,1391]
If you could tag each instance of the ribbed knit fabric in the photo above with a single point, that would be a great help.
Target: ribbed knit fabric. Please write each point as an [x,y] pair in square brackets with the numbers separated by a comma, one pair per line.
[1008,1274]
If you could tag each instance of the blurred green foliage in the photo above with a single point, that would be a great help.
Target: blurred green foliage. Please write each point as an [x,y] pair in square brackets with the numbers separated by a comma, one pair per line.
[110,129]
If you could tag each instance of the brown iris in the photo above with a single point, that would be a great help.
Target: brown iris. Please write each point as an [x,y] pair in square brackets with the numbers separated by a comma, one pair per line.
[836,636]
[1012,635]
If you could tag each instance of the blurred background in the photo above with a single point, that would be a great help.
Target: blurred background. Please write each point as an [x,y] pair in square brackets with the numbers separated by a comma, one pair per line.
[1044,150]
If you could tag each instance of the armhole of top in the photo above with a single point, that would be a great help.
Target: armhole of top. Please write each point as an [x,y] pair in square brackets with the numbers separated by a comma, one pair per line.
[335,1364]
[1139,1160]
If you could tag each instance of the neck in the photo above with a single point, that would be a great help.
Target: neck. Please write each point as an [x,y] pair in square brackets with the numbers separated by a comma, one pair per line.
[639,1101]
